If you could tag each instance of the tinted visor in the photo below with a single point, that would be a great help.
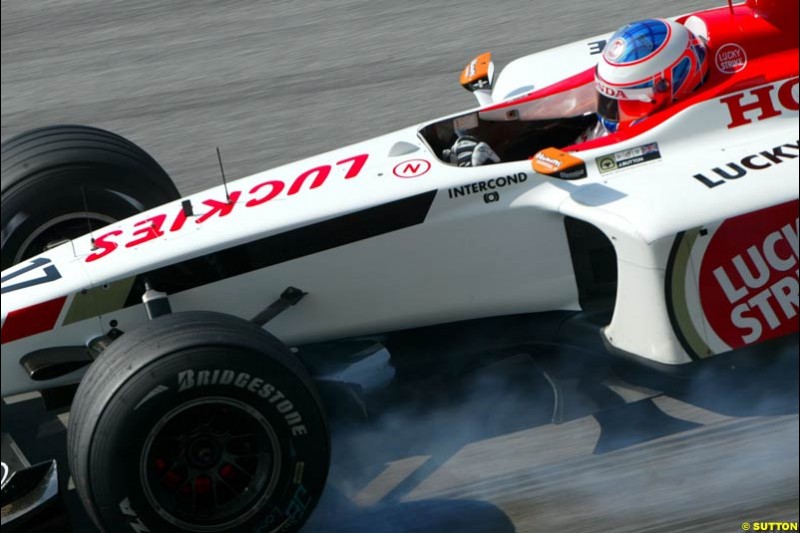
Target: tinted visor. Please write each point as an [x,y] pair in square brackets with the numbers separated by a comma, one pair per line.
[607,107]
[613,112]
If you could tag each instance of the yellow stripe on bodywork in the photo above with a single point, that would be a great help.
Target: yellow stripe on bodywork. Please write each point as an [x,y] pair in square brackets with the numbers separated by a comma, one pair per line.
[99,300]
[682,313]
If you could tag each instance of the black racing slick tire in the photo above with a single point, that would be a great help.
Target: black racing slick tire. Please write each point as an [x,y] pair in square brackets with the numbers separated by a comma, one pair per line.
[60,182]
[198,421]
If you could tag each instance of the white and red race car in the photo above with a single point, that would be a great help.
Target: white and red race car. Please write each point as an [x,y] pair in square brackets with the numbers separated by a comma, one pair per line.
[666,243]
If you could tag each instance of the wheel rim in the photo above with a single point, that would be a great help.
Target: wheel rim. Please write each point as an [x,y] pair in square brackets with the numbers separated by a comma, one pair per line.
[210,464]
[58,230]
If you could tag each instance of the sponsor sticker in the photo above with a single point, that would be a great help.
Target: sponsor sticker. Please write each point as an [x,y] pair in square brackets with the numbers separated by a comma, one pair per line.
[211,210]
[611,92]
[134,521]
[488,187]
[491,197]
[413,168]
[730,58]
[735,283]
[748,277]
[628,158]
[734,170]
[477,70]
[190,379]
[554,162]
[763,102]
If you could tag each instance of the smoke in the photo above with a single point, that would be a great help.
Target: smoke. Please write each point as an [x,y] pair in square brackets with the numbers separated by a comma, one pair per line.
[477,452]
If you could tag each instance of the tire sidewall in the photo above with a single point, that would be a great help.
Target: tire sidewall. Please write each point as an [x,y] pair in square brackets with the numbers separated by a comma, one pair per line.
[119,435]
[34,202]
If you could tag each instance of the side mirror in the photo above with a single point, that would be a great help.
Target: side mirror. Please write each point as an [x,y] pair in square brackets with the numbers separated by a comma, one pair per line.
[477,78]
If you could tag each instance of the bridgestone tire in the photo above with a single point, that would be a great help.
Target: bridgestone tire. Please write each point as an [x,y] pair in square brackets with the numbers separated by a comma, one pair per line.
[166,366]
[47,173]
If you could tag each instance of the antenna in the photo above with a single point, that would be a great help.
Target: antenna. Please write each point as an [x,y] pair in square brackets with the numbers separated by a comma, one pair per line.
[86,212]
[222,170]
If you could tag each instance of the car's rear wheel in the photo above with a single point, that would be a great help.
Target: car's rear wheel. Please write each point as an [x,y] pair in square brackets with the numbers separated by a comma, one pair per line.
[60,182]
[198,422]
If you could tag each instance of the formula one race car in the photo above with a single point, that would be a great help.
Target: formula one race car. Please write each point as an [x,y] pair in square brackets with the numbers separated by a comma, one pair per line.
[665,244]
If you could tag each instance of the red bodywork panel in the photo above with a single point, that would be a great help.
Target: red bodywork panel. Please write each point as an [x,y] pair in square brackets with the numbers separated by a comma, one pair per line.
[766,29]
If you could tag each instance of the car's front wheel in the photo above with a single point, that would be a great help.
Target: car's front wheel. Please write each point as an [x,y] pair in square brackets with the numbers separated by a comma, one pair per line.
[198,422]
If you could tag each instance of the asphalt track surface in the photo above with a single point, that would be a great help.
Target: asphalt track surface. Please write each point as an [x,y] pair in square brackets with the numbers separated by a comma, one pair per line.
[273,81]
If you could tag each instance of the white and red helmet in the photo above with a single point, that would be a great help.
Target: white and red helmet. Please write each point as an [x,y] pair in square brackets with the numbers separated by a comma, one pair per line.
[645,66]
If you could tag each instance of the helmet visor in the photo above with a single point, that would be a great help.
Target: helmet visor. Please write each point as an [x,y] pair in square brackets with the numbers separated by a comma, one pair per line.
[607,107]
[644,102]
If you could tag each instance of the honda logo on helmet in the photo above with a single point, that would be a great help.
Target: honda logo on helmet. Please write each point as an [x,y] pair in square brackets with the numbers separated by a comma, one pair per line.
[611,92]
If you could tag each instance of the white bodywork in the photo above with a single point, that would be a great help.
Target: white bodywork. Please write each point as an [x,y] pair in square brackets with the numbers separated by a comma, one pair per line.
[466,257]
[536,71]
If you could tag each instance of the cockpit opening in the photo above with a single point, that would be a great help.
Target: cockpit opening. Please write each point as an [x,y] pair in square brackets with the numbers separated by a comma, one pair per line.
[512,139]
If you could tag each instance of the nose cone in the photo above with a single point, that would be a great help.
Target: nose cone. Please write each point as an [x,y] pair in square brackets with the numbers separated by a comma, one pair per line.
[35,291]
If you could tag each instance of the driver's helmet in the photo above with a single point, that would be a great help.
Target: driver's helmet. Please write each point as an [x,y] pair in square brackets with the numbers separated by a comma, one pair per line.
[645,67]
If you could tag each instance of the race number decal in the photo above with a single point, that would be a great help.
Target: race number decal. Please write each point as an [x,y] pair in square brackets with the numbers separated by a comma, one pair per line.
[735,283]
[36,272]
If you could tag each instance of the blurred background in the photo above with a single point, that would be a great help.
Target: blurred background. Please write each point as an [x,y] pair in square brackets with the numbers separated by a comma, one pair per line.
[273,81]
